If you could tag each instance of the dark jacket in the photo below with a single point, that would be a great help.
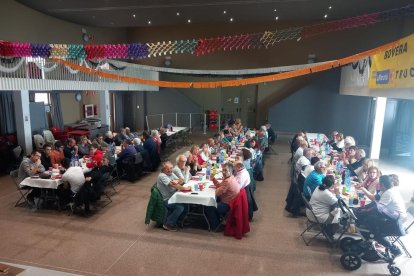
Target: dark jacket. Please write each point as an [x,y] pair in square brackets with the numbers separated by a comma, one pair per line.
[155,208]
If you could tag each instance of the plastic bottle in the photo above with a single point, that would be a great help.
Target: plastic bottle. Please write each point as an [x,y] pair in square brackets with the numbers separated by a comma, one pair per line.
[208,170]
[222,157]
[347,180]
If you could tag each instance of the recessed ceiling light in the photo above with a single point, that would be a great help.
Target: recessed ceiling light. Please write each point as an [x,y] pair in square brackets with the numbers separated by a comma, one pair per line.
[275,10]
[224,12]
[134,15]
[178,14]
[325,16]
[112,23]
[330,7]
[149,22]
[93,16]
[277,18]
[231,19]
[188,20]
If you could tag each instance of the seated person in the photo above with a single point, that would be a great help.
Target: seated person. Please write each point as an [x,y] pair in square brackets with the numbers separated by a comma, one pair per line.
[226,137]
[309,168]
[371,183]
[109,138]
[126,156]
[325,204]
[271,133]
[241,174]
[303,161]
[384,217]
[99,176]
[120,137]
[226,191]
[100,141]
[156,137]
[79,185]
[181,170]
[339,144]
[359,161]
[362,172]
[192,159]
[29,167]
[129,134]
[204,156]
[168,183]
[299,152]
[83,146]
[164,138]
[263,139]
[212,146]
[71,149]
[149,144]
[57,154]
[138,145]
[46,158]
[314,179]
[95,155]
[247,158]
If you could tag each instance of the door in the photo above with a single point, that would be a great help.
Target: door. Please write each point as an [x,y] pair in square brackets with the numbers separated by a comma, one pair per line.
[239,102]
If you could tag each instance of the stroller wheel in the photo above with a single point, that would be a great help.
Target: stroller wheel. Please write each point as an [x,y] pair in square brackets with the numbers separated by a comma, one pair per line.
[348,244]
[394,271]
[351,261]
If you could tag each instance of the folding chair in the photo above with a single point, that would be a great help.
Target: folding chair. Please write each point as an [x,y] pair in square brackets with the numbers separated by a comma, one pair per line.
[396,239]
[107,179]
[114,179]
[23,192]
[314,224]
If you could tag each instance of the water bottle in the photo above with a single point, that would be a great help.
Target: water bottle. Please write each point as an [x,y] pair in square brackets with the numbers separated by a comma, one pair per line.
[338,166]
[322,153]
[222,157]
[72,162]
[347,180]
[327,148]
[208,170]
[76,164]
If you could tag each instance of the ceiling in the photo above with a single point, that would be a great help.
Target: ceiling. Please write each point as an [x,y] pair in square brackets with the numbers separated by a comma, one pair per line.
[134,13]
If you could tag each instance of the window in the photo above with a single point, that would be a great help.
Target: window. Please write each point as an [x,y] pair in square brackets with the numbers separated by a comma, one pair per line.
[42,97]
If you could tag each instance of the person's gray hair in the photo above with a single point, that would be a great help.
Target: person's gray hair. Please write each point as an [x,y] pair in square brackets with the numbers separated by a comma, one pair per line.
[264,128]
[164,165]
[154,132]
[349,140]
[109,134]
[319,165]
[136,141]
[361,153]
[229,167]
[307,152]
[179,157]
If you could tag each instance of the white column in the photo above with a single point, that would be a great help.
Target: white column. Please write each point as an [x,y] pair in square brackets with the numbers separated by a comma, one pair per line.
[104,108]
[378,126]
[22,115]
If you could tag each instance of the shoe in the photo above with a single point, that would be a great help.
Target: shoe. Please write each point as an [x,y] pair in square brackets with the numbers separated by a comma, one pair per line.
[169,227]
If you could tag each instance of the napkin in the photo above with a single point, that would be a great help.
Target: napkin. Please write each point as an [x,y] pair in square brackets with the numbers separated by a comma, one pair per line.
[185,191]
[212,186]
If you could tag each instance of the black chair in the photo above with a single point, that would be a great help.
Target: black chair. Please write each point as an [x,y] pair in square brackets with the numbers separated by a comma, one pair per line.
[396,239]
[314,223]
[23,192]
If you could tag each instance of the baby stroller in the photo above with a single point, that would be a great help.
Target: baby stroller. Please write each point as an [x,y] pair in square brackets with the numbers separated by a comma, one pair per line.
[363,248]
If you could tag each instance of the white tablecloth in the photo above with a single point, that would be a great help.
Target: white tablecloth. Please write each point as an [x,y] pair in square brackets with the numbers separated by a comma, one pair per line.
[206,197]
[175,130]
[41,183]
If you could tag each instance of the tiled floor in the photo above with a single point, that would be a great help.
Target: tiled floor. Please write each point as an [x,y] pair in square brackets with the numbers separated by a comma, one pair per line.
[115,241]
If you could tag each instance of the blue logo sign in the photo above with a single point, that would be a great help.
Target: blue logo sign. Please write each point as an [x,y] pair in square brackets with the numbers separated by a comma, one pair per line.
[383,77]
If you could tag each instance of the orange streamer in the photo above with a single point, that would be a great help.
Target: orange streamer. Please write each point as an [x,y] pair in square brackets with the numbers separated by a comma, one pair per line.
[248,81]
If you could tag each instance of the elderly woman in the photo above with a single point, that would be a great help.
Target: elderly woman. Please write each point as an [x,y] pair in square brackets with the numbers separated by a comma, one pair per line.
[299,152]
[237,127]
[204,156]
[314,179]
[156,137]
[362,172]
[247,158]
[241,174]
[384,217]
[325,204]
[339,144]
[359,162]
[371,183]
[83,146]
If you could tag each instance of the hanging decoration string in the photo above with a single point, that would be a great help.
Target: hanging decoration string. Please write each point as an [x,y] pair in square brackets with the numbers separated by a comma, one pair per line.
[248,81]
[196,47]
